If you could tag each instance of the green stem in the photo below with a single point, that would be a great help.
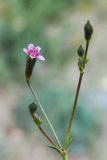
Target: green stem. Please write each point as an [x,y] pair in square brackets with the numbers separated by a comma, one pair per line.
[65,156]
[75,101]
[37,100]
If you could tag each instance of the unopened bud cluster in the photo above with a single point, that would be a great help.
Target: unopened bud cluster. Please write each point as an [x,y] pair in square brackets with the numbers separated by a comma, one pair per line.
[88,30]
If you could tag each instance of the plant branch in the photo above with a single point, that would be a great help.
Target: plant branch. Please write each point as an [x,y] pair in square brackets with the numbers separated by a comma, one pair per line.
[75,101]
[46,136]
[45,115]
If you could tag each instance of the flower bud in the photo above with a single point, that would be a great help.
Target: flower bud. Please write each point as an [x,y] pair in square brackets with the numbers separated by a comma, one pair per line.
[36,118]
[88,30]
[32,108]
[80,51]
[30,63]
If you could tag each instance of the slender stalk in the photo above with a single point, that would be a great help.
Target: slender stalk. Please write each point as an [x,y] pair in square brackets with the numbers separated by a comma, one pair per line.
[74,109]
[43,132]
[45,115]
[46,136]
[75,101]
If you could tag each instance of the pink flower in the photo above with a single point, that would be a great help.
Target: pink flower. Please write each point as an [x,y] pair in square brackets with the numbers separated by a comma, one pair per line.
[33,52]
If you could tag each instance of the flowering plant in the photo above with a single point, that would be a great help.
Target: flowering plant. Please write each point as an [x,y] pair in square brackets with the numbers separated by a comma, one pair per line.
[33,53]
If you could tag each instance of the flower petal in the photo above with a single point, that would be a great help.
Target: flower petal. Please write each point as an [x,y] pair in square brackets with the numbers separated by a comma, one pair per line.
[41,57]
[30,46]
[38,48]
[25,50]
[32,57]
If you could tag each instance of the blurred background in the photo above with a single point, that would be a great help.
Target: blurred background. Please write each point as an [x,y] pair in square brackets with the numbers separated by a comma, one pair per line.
[56,26]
